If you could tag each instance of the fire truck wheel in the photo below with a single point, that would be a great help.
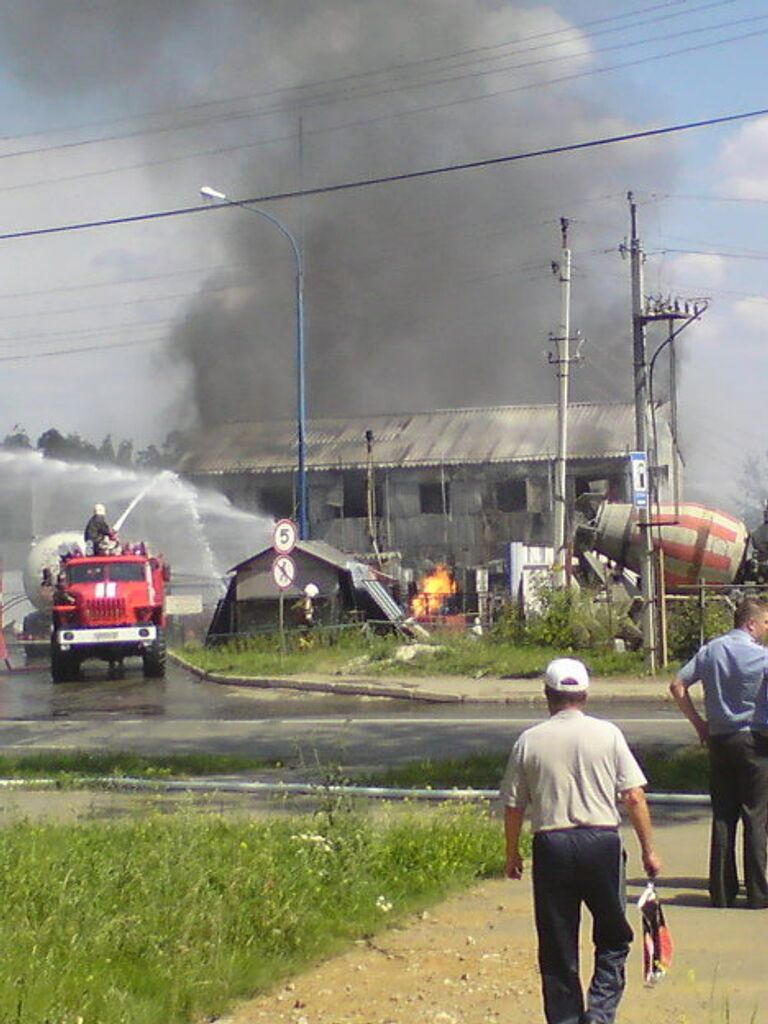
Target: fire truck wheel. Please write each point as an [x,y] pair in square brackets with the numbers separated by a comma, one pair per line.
[65,667]
[154,658]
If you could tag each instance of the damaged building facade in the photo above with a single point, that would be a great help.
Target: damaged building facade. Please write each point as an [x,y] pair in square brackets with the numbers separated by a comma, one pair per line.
[454,486]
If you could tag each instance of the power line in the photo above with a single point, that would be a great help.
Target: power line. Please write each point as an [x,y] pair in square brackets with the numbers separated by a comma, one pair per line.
[396,69]
[126,280]
[395,178]
[754,255]
[77,351]
[576,56]
[710,198]
[537,85]
[321,99]
[80,332]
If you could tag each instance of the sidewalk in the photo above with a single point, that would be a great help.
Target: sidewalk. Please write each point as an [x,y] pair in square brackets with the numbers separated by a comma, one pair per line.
[472,959]
[446,689]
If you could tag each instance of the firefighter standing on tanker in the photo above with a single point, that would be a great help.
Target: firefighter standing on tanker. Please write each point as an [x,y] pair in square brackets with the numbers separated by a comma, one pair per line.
[99,533]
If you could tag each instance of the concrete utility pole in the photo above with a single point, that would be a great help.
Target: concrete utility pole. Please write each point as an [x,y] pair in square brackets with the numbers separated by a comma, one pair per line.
[562,360]
[647,567]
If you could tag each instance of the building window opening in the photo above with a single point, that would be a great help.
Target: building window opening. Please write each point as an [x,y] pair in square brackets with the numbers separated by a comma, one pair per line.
[511,496]
[355,506]
[435,498]
[277,501]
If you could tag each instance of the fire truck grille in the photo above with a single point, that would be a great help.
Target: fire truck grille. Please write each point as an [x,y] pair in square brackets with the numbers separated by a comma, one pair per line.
[105,610]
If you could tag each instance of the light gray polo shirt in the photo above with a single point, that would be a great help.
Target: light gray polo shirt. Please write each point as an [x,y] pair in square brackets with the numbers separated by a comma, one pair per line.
[568,772]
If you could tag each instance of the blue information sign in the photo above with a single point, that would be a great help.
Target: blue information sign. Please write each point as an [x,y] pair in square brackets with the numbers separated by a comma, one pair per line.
[639,466]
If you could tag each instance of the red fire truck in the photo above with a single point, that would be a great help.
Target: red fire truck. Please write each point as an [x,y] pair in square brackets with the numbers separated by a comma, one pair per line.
[109,607]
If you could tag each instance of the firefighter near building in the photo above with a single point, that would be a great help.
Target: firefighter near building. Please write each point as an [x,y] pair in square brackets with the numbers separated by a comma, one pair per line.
[106,606]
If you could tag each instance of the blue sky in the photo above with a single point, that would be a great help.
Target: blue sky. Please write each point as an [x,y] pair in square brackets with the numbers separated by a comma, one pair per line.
[64,81]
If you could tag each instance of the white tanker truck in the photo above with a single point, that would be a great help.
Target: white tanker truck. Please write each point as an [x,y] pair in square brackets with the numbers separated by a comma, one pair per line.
[43,560]
[700,544]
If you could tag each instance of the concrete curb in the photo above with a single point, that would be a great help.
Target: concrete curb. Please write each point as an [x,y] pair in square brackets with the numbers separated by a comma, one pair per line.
[413,691]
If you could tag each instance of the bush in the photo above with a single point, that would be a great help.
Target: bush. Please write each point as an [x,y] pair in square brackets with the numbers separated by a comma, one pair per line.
[564,619]
[689,621]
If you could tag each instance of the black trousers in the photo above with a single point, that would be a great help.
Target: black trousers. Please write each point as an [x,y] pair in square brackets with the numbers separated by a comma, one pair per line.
[570,867]
[738,783]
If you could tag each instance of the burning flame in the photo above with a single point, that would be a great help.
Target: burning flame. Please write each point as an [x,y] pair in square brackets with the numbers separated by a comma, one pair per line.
[433,590]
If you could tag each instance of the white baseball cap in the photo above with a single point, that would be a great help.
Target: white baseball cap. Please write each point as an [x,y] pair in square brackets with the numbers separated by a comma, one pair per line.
[567,675]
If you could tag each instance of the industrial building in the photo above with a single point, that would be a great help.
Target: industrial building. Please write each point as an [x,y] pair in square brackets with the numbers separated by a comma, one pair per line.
[454,486]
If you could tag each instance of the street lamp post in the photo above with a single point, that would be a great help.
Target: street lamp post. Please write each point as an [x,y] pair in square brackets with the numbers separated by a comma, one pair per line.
[301,403]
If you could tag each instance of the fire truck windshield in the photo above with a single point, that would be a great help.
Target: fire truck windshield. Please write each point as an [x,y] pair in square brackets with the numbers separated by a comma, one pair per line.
[126,571]
[113,570]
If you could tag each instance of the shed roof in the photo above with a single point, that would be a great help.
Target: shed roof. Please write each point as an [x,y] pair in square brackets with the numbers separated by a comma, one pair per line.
[315,548]
[495,434]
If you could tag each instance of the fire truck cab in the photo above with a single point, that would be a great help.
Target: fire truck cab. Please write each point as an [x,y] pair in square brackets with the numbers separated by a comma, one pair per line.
[109,607]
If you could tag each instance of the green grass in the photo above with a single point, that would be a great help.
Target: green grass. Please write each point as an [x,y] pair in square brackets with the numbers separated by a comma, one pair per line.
[686,771]
[680,771]
[78,763]
[683,771]
[168,919]
[354,653]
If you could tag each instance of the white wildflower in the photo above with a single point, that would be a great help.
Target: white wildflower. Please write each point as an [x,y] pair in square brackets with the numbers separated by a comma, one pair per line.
[314,839]
[383,904]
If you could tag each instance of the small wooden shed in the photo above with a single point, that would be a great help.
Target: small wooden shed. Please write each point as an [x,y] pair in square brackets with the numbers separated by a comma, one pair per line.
[252,601]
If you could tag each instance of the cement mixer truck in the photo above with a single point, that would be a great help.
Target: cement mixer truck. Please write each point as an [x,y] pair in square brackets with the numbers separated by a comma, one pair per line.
[700,544]
[107,607]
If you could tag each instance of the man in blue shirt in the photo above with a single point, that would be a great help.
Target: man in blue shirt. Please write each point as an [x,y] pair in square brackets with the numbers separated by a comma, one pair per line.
[733,669]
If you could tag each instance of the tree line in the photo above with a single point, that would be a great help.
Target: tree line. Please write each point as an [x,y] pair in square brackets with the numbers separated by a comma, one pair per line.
[53,444]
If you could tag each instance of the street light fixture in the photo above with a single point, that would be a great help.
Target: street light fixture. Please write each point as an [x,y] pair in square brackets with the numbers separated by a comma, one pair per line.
[301,406]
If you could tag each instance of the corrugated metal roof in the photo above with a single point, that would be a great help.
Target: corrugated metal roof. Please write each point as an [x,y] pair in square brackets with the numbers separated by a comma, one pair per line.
[511,433]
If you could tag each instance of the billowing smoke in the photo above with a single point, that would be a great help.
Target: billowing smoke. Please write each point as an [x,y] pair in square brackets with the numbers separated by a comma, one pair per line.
[430,293]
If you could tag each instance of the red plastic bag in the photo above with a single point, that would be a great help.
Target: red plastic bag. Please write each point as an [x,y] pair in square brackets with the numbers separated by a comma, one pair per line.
[657,939]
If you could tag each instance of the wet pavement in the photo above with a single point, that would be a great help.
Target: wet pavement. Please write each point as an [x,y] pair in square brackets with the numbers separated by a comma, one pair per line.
[185,714]
[30,695]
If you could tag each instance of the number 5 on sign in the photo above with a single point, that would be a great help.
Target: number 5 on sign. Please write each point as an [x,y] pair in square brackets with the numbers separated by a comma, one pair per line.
[284,537]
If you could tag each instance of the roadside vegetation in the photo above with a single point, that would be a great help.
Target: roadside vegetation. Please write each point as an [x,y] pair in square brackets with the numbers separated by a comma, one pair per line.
[679,771]
[76,764]
[583,623]
[168,919]
[356,652]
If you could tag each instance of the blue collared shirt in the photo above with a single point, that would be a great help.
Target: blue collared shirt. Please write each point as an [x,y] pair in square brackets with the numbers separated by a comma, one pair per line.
[733,670]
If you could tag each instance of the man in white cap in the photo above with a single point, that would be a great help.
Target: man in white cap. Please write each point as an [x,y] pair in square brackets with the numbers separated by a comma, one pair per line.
[569,773]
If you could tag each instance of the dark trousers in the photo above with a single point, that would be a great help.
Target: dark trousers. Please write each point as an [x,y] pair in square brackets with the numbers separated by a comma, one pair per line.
[570,867]
[738,782]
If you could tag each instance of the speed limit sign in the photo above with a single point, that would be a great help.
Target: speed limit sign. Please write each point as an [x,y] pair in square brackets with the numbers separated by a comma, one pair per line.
[285,536]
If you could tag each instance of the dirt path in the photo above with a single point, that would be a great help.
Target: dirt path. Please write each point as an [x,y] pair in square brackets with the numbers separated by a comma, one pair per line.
[471,960]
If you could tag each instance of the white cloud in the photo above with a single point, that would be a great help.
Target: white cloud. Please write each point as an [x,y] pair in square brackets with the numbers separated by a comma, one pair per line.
[695,273]
[751,314]
[743,160]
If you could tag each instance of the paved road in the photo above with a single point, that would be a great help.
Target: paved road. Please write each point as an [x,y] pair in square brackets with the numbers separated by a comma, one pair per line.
[183,714]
